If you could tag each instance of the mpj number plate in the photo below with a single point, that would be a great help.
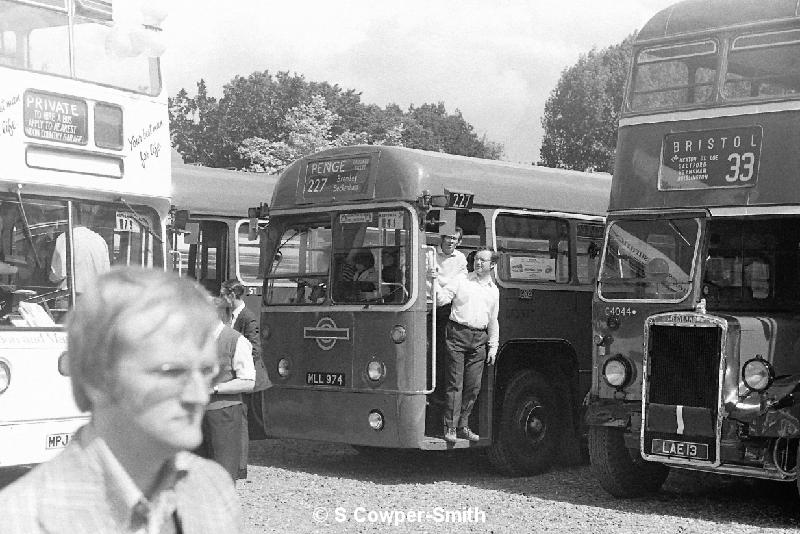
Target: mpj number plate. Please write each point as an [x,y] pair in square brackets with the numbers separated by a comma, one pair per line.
[57,441]
[317,378]
[681,449]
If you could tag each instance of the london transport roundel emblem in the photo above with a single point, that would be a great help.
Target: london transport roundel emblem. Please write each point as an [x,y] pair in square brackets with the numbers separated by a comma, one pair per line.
[326,333]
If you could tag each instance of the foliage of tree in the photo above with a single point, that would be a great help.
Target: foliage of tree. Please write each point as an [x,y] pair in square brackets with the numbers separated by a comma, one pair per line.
[262,119]
[581,115]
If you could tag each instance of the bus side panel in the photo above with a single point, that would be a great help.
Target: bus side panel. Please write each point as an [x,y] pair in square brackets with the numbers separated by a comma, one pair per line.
[40,427]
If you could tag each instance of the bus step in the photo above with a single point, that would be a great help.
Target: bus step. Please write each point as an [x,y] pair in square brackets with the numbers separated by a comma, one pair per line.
[433,443]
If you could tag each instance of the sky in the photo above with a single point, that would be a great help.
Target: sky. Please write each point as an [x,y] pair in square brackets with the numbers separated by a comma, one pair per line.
[496,61]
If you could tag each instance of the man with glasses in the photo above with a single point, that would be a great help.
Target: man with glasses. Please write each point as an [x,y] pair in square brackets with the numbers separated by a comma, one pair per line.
[472,336]
[142,360]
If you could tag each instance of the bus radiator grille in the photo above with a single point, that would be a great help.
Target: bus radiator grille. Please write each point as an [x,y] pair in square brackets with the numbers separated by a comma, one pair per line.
[683,365]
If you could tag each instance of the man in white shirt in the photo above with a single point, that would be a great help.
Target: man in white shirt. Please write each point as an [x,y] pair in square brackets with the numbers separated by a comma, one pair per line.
[471,328]
[89,250]
[225,416]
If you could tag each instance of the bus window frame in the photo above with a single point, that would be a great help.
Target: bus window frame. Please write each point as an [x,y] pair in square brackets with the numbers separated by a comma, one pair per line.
[237,264]
[700,217]
[415,246]
[573,284]
[732,49]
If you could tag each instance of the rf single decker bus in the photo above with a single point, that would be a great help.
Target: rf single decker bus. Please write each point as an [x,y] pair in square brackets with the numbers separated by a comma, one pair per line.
[84,185]
[696,315]
[356,362]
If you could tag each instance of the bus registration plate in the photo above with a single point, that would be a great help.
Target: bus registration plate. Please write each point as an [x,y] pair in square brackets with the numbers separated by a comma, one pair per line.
[682,449]
[317,378]
[57,441]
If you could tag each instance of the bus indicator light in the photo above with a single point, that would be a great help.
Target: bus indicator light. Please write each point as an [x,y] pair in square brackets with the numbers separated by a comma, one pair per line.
[283,367]
[376,370]
[375,420]
[398,334]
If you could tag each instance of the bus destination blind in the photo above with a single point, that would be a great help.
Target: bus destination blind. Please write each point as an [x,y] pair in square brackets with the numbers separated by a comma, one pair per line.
[710,159]
[336,179]
[55,118]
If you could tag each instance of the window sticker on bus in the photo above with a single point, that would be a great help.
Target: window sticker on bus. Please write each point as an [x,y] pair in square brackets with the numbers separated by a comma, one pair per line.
[531,268]
[55,118]
[355,218]
[710,159]
[390,220]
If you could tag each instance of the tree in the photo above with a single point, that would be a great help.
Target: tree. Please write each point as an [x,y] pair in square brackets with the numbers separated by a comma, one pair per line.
[257,123]
[581,115]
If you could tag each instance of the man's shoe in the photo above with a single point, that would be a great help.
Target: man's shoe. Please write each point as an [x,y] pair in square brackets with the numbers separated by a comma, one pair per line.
[466,433]
[450,434]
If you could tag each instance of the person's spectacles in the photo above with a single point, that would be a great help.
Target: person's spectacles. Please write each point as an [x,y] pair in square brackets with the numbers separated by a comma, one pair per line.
[180,375]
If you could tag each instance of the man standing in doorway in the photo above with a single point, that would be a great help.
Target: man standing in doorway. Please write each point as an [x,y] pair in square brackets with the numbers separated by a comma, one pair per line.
[471,328]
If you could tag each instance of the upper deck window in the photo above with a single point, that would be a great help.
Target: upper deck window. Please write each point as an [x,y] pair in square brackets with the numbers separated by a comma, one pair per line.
[38,39]
[763,66]
[674,76]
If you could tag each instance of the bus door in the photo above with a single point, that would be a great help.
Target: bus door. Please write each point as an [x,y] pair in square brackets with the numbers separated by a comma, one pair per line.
[247,264]
[206,245]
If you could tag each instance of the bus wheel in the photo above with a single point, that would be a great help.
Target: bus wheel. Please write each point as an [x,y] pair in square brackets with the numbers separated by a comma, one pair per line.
[622,472]
[527,436]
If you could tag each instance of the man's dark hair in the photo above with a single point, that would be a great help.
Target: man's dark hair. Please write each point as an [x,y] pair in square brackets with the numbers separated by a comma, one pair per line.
[233,286]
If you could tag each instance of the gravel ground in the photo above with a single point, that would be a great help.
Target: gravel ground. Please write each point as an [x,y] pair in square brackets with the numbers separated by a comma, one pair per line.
[299,486]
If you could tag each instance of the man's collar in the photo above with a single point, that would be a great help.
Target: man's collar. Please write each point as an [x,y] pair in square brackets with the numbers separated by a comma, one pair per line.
[485,282]
[127,500]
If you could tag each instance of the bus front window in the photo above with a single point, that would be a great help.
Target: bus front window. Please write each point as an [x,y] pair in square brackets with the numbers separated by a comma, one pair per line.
[300,262]
[649,259]
[763,66]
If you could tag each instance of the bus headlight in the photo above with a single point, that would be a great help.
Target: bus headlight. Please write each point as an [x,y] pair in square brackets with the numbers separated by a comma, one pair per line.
[376,370]
[398,334]
[617,371]
[283,367]
[757,374]
[5,376]
[375,419]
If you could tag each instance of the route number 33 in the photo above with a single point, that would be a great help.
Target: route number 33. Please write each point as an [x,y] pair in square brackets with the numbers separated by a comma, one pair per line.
[742,167]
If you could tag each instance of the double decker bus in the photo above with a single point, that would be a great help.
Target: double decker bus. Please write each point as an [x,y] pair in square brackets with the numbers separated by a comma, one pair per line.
[355,362]
[696,315]
[85,148]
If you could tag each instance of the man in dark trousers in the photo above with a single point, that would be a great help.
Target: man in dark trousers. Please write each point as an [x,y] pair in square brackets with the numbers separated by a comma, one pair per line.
[471,328]
[246,323]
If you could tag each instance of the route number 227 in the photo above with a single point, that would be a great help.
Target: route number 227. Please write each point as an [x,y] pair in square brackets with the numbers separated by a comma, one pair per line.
[742,167]
[315,185]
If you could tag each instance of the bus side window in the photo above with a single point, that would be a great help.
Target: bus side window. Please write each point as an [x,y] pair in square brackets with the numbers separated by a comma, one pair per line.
[588,245]
[536,249]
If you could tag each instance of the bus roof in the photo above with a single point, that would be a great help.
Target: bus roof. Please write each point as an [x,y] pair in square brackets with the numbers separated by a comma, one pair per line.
[405,173]
[210,191]
[696,16]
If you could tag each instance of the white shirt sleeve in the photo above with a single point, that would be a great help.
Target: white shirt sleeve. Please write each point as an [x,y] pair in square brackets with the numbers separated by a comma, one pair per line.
[243,366]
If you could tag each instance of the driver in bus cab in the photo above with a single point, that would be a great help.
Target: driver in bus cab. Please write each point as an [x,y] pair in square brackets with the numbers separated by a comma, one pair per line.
[89,252]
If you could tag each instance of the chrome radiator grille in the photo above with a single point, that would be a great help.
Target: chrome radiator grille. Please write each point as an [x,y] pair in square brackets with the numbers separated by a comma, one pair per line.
[683,364]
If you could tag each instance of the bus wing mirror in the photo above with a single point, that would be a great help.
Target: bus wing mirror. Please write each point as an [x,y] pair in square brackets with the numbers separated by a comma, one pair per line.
[180,219]
[253,215]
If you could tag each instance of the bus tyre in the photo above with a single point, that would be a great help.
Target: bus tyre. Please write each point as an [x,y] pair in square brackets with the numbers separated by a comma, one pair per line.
[622,472]
[527,435]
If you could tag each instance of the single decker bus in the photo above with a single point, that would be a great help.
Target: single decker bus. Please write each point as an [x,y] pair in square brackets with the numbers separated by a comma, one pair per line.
[356,362]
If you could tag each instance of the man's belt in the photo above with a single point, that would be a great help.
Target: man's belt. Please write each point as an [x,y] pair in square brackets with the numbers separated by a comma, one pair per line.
[468,327]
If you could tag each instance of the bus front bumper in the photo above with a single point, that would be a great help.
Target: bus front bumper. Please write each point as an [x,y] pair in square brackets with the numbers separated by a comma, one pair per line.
[343,417]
